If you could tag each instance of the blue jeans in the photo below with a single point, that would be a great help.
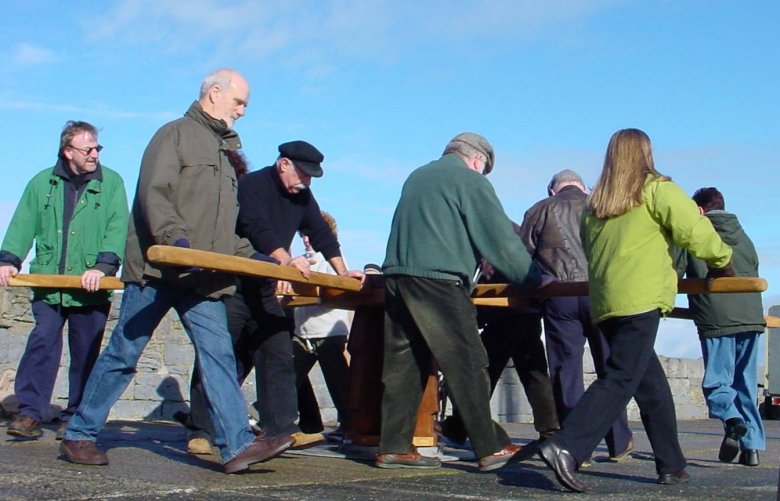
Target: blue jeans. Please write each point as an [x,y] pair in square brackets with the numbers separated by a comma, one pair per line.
[730,383]
[205,322]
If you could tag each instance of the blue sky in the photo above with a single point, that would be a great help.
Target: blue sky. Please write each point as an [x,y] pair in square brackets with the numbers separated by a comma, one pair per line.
[381,86]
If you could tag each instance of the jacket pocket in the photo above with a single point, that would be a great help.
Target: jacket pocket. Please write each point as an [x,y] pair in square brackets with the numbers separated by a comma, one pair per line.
[43,262]
[90,259]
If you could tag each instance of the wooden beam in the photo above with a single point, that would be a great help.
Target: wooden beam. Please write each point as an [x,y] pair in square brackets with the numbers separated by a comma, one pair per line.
[60,281]
[685,313]
[684,286]
[179,256]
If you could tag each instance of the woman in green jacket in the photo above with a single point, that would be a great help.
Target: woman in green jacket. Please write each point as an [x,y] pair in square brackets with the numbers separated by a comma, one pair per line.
[633,217]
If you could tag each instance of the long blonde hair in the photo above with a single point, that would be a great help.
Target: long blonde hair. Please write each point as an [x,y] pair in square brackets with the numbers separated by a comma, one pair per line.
[627,163]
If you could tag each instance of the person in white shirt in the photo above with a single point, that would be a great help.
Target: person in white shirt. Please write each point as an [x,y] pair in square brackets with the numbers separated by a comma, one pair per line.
[321,336]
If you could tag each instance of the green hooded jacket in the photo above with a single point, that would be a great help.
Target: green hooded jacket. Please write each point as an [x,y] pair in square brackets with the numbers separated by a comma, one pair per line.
[718,315]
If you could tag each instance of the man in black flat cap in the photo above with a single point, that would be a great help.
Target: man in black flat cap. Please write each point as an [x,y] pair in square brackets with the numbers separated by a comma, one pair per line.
[275,203]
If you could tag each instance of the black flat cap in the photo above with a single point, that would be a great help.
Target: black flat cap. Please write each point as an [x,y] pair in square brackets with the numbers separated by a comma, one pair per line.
[305,156]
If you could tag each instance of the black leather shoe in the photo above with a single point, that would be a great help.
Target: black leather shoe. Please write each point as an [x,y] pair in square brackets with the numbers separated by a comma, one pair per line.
[749,457]
[562,463]
[729,448]
[678,477]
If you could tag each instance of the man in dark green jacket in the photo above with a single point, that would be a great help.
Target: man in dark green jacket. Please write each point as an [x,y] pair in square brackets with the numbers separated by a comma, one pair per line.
[730,326]
[447,219]
[76,214]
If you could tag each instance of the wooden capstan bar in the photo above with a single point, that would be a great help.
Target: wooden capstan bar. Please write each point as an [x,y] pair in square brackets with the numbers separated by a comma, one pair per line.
[366,337]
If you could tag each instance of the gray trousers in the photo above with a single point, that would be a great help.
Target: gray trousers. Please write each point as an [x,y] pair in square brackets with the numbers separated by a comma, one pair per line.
[425,319]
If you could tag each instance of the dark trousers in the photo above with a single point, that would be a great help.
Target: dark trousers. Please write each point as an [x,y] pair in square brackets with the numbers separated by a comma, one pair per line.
[633,370]
[261,339]
[427,318]
[516,336]
[567,325]
[329,351]
[38,367]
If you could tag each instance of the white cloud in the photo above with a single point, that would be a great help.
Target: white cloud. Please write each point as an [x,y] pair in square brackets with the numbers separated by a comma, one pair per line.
[25,54]
[10,103]
[312,32]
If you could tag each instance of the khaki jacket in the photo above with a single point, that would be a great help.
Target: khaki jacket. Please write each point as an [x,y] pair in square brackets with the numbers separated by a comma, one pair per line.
[186,190]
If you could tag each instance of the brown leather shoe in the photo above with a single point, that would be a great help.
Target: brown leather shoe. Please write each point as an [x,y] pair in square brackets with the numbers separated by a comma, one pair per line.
[25,427]
[83,452]
[510,454]
[262,449]
[411,459]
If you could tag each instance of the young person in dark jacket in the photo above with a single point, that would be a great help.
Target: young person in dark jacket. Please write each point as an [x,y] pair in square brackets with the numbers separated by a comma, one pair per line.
[274,204]
[730,326]
[76,215]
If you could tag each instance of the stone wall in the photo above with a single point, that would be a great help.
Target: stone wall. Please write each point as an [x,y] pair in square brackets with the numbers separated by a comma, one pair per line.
[160,387]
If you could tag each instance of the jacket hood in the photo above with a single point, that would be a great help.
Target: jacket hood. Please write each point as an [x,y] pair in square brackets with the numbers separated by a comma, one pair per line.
[727,225]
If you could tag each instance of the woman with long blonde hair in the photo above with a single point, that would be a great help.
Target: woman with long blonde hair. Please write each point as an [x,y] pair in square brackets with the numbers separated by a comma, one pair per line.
[633,217]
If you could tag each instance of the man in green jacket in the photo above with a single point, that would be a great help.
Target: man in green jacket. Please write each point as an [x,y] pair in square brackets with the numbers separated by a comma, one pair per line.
[730,326]
[76,215]
[447,219]
[186,197]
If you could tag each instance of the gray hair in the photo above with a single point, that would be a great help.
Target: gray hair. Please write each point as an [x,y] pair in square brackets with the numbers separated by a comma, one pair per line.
[73,128]
[221,77]
[564,177]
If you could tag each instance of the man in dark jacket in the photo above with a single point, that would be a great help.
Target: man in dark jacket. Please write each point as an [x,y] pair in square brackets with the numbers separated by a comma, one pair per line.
[730,326]
[76,214]
[185,197]
[275,203]
[448,217]
[551,232]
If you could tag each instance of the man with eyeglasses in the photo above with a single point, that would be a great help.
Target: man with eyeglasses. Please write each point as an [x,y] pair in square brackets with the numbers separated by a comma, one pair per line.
[275,203]
[448,218]
[75,214]
[186,196]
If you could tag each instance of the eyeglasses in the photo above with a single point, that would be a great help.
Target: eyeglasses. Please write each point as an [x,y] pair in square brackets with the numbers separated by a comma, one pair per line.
[87,151]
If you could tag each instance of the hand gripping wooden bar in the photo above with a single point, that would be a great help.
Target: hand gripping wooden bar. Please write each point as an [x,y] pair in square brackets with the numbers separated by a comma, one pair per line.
[60,281]
[179,256]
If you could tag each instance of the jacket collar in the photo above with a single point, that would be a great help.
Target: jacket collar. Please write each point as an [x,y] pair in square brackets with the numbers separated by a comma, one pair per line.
[229,137]
[62,171]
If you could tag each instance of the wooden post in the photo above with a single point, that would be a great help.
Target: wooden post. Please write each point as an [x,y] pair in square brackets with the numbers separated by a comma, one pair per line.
[364,401]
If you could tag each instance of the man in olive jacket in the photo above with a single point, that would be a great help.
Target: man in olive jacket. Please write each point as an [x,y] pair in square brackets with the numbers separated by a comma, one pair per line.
[730,326]
[76,214]
[186,197]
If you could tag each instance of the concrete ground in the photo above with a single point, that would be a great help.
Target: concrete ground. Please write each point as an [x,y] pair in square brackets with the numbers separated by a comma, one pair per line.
[149,461]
